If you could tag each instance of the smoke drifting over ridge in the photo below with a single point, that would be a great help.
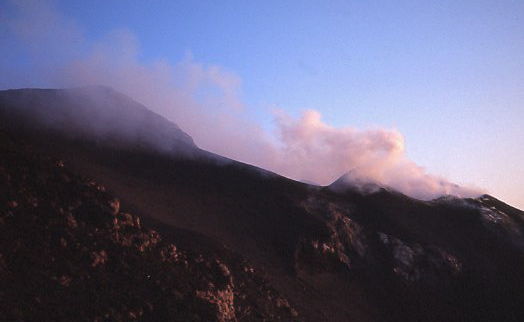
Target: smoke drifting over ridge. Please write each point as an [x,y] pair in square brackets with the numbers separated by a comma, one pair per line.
[323,153]
[204,101]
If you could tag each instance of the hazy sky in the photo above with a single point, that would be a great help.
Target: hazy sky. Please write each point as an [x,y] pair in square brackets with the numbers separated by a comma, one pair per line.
[443,78]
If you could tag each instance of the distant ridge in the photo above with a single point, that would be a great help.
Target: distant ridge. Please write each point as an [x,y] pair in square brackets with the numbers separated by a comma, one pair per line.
[349,182]
[96,113]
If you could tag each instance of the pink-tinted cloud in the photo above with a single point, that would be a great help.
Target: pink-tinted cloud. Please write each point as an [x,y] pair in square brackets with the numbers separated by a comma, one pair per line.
[314,151]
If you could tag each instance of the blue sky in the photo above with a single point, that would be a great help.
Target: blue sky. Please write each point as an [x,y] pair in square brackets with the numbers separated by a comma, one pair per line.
[447,75]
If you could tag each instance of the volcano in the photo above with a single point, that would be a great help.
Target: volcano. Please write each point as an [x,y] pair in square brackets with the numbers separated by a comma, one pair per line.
[111,212]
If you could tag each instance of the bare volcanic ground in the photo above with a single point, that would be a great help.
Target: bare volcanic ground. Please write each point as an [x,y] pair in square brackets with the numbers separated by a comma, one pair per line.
[293,251]
[336,256]
[69,253]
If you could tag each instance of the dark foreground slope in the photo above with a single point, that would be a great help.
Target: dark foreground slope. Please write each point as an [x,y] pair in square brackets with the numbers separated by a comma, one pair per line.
[335,254]
[68,253]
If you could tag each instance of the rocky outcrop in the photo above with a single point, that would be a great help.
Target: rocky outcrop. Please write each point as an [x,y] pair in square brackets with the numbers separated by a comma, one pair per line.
[347,243]
[339,241]
[415,263]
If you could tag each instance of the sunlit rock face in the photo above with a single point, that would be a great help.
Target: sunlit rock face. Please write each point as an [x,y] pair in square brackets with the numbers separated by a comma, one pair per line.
[502,223]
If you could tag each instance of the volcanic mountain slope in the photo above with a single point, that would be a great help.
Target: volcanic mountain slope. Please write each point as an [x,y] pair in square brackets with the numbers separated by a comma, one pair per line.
[336,253]
[96,112]
[68,253]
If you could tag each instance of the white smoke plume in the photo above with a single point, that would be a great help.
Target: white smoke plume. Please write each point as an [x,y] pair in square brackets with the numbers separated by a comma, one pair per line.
[204,101]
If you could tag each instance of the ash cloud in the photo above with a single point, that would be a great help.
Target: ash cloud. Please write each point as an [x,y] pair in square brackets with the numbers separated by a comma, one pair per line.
[204,100]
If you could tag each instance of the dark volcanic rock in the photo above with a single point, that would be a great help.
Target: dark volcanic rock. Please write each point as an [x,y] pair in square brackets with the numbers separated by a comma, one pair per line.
[67,252]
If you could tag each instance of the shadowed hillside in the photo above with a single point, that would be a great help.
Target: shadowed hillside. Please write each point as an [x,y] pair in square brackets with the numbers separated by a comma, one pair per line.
[335,253]
[69,252]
